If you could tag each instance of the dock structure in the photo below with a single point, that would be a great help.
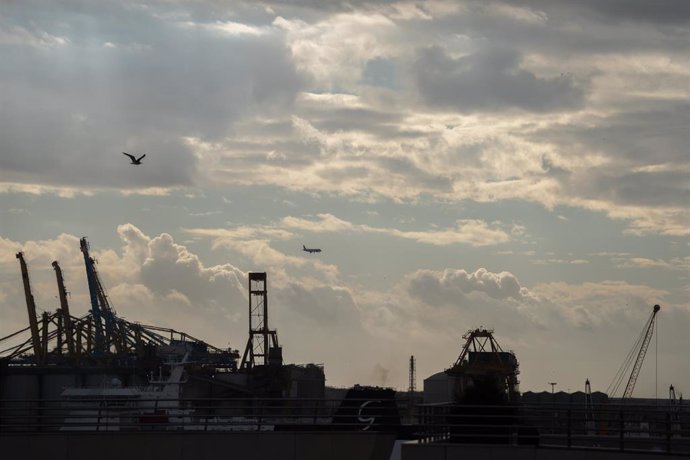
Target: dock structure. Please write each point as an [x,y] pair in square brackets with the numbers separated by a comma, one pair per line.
[59,349]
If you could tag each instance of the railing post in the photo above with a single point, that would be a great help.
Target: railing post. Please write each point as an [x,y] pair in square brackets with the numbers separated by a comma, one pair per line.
[568,427]
[258,426]
[621,430]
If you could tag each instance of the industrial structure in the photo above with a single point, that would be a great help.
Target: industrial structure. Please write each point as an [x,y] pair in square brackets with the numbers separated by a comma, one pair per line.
[59,349]
[68,375]
[262,345]
[100,337]
[413,376]
[481,365]
[638,352]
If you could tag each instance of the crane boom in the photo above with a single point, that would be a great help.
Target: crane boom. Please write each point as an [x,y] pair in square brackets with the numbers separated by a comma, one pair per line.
[64,306]
[93,293]
[31,308]
[641,354]
[100,308]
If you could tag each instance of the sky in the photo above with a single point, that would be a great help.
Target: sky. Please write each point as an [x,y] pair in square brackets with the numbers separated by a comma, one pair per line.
[516,165]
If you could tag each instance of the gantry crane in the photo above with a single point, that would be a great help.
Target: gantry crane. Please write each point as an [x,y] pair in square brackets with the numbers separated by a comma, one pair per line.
[31,308]
[101,336]
[66,319]
[101,311]
[639,349]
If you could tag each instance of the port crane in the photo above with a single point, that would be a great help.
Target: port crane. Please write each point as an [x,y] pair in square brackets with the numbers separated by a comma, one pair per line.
[65,319]
[31,308]
[100,336]
[639,350]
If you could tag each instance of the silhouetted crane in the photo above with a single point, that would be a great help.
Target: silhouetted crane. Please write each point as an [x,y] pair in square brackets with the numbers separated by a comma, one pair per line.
[639,349]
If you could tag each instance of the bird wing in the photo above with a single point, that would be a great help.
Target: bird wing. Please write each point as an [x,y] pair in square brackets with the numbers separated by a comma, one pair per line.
[139,159]
[131,156]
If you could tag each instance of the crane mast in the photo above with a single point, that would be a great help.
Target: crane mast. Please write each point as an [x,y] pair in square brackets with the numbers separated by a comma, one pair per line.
[641,354]
[112,333]
[93,293]
[31,308]
[64,307]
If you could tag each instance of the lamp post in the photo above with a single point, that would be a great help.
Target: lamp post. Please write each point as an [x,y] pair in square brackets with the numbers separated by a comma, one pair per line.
[555,412]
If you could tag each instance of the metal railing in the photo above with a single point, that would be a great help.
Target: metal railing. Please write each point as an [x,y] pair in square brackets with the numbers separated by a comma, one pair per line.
[208,414]
[619,427]
[616,427]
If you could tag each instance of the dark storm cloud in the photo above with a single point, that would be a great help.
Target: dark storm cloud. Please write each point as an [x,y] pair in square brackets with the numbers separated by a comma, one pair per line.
[490,79]
[325,305]
[554,29]
[658,134]
[666,188]
[652,11]
[124,78]
[644,11]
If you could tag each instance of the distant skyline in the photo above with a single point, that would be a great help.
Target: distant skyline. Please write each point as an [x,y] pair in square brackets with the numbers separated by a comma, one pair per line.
[517,165]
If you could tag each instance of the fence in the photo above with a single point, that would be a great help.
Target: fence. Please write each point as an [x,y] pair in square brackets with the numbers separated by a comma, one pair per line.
[619,427]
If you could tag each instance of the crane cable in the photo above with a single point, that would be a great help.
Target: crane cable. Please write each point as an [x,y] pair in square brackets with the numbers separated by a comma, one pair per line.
[627,362]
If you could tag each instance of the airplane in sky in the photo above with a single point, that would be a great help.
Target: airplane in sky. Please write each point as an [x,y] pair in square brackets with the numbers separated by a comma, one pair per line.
[310,250]
[135,161]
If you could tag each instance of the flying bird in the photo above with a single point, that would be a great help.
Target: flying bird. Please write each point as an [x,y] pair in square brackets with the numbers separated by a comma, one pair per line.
[135,161]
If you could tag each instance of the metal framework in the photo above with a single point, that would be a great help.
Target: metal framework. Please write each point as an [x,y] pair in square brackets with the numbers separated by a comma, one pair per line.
[482,358]
[478,341]
[64,308]
[262,343]
[413,375]
[639,349]
[98,337]
[31,309]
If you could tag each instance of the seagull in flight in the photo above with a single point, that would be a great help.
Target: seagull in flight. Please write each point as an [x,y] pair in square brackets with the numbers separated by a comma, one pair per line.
[135,161]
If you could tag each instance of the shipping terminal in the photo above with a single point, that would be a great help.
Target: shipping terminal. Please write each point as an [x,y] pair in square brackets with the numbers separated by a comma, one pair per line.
[75,387]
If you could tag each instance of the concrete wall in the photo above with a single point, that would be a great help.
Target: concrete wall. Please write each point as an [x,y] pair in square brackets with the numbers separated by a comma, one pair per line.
[457,452]
[199,446]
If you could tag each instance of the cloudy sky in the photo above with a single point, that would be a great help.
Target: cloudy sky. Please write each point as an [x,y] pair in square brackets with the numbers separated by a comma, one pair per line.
[519,165]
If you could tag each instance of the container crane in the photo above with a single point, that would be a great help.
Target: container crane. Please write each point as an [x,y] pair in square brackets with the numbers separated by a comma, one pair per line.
[31,308]
[100,308]
[101,337]
[64,308]
[639,349]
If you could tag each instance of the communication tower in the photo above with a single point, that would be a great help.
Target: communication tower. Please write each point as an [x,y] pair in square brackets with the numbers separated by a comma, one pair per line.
[413,376]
